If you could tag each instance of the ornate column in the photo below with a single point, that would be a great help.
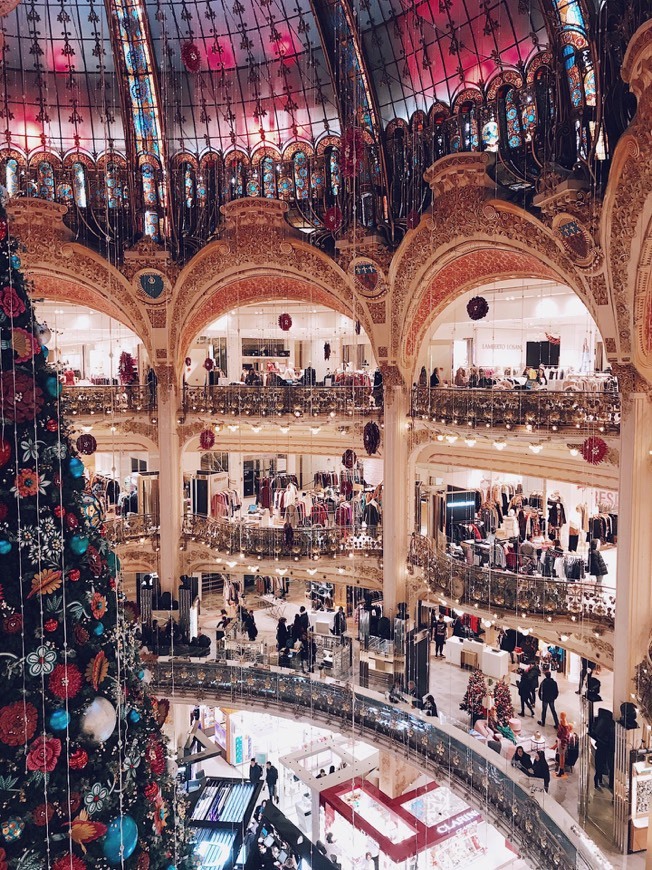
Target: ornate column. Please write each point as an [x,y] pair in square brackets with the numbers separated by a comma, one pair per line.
[170,481]
[396,491]
[634,567]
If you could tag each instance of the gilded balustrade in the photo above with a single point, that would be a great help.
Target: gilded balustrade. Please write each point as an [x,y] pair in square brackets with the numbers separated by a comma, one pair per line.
[108,400]
[541,828]
[504,591]
[534,409]
[252,540]
[132,527]
[241,400]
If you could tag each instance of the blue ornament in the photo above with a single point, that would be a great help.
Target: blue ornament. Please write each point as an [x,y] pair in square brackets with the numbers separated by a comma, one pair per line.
[98,630]
[15,261]
[59,720]
[45,351]
[113,563]
[120,840]
[53,386]
[76,467]
[134,716]
[79,544]
[5,547]
[141,675]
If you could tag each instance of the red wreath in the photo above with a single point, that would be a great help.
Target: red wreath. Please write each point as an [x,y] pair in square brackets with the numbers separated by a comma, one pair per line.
[191,57]
[208,364]
[349,458]
[206,439]
[371,438]
[353,149]
[477,308]
[86,444]
[333,218]
[188,361]
[594,450]
[285,322]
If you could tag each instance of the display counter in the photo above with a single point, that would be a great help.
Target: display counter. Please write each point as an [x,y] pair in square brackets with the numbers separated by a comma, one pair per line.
[492,662]
[219,815]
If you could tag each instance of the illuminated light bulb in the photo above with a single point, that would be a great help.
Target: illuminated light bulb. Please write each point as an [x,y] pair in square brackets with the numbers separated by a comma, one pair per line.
[233,427]
[315,430]
[281,571]
[256,428]
[340,570]
[529,427]
[500,444]
[574,451]
[231,564]
[536,448]
[311,571]
[284,429]
[451,439]
[563,638]
[440,437]
[252,568]
[470,442]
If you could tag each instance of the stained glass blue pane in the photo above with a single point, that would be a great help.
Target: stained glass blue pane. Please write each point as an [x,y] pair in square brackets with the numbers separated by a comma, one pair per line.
[11,176]
[269,178]
[189,187]
[490,135]
[589,88]
[285,187]
[334,169]
[253,187]
[79,185]
[64,193]
[112,189]
[151,225]
[301,175]
[512,119]
[45,180]
[456,141]
[149,184]
[570,13]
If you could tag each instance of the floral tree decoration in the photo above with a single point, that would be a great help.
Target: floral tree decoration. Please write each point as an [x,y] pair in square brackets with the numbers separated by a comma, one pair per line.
[285,322]
[474,698]
[127,369]
[81,748]
[477,308]
[594,450]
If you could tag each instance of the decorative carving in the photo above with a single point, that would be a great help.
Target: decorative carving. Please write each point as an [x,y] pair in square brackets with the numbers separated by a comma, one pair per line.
[368,278]
[392,376]
[158,318]
[148,255]
[377,310]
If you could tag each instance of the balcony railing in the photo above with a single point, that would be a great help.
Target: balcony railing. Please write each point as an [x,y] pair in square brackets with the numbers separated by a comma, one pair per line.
[509,593]
[535,409]
[133,527]
[271,543]
[107,400]
[241,400]
[541,828]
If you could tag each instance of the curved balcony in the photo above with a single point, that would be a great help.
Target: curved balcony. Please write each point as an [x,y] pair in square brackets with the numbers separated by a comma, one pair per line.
[544,831]
[133,527]
[512,594]
[239,400]
[536,410]
[252,540]
[108,400]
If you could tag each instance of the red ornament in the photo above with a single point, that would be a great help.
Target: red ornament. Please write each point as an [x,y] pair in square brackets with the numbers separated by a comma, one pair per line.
[3,230]
[51,624]
[371,438]
[52,425]
[191,57]
[188,361]
[206,439]
[594,450]
[71,522]
[413,220]
[65,681]
[477,308]
[208,364]
[285,322]
[59,511]
[333,218]
[74,575]
[86,444]
[353,152]
[78,759]
[151,791]
[155,754]
[5,452]
[349,458]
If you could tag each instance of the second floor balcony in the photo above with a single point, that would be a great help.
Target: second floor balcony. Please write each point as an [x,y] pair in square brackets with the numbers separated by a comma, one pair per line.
[108,400]
[534,410]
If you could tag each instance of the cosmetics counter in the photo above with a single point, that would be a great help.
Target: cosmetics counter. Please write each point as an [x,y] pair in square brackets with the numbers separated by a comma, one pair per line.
[219,815]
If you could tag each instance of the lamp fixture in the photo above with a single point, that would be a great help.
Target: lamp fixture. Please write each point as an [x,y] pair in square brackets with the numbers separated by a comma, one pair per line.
[311,571]
[574,451]
[315,430]
[233,427]
[256,428]
[440,437]
[284,429]
[500,444]
[470,441]
[536,448]
[451,439]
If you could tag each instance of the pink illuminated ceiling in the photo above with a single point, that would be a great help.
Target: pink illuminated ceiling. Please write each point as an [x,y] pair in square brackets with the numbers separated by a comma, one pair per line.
[263,75]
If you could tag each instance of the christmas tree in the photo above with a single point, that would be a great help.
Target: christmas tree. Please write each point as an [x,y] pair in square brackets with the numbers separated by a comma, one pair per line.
[83,766]
[474,697]
[503,707]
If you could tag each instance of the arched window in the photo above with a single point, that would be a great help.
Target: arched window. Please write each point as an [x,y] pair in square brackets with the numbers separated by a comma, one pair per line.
[45,180]
[253,186]
[301,175]
[11,176]
[512,120]
[235,177]
[469,127]
[269,177]
[334,178]
[529,114]
[317,178]
[151,225]
[589,87]
[150,196]
[79,184]
[113,192]
[188,186]
[573,76]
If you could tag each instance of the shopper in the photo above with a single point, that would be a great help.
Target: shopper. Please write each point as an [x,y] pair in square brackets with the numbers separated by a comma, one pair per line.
[304,619]
[429,706]
[271,778]
[282,634]
[524,692]
[586,667]
[523,761]
[440,632]
[533,675]
[304,653]
[297,631]
[373,852]
[220,628]
[540,769]
[255,771]
[339,624]
[597,565]
[548,694]
[564,730]
[250,626]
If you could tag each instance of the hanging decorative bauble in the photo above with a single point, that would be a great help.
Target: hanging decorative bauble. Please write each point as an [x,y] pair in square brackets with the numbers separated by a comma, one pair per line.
[413,220]
[5,547]
[59,720]
[43,333]
[206,439]
[52,425]
[99,720]
[86,444]
[191,57]
[371,438]
[79,544]
[285,322]
[327,350]
[333,218]
[349,458]
[208,364]
[12,829]
[76,467]
[188,361]
[120,840]
[477,308]
[594,450]
[352,153]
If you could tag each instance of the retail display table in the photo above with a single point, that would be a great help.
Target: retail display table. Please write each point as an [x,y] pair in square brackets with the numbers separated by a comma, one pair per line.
[454,650]
[495,663]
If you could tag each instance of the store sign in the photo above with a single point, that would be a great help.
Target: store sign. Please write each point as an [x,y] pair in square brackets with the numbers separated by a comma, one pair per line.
[498,348]
[461,820]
